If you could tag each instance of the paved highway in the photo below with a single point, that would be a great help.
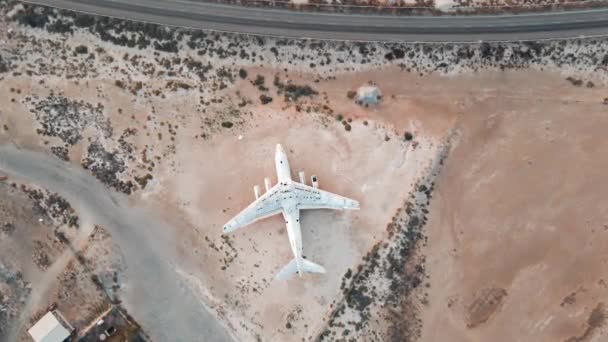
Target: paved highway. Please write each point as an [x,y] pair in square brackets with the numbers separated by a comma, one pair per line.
[276,22]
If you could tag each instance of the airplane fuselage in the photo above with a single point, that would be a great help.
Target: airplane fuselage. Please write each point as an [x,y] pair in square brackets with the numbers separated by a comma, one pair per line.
[291,212]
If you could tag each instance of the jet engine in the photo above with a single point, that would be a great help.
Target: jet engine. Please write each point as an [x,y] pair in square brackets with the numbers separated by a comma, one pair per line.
[315,181]
[302,177]
[267,183]
[256,191]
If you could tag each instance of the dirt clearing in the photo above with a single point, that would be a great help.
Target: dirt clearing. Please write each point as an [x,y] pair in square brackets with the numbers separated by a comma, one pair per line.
[180,125]
[519,223]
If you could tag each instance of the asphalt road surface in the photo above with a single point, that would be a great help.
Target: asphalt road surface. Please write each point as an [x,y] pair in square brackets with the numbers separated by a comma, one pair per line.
[154,293]
[277,22]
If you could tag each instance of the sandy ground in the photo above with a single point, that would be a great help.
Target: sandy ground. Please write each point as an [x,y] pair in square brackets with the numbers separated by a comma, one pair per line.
[518,225]
[186,145]
[200,188]
[198,184]
[202,173]
[359,164]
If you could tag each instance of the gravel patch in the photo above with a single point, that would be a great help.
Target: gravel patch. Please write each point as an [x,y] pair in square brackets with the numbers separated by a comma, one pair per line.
[67,119]
[107,167]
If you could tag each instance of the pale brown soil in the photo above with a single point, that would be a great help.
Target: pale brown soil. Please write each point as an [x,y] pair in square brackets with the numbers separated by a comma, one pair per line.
[198,184]
[516,233]
[518,225]
[216,181]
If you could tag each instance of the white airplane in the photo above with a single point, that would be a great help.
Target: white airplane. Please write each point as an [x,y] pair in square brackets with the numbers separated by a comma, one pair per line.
[289,197]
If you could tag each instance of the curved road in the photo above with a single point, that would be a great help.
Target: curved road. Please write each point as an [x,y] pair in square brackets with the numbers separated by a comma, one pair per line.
[276,22]
[153,291]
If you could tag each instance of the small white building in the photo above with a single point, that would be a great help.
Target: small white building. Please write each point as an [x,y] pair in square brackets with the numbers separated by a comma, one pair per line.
[52,327]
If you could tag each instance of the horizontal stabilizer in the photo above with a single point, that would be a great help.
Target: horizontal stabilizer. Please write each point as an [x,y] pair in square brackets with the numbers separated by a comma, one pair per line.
[292,267]
[311,267]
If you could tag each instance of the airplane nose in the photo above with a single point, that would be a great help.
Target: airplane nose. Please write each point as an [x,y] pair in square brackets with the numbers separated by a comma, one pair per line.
[280,149]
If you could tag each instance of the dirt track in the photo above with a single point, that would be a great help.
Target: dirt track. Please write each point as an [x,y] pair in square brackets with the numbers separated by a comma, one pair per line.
[152,281]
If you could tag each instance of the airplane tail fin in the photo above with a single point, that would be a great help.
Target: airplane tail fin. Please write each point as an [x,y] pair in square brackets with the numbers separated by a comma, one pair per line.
[292,267]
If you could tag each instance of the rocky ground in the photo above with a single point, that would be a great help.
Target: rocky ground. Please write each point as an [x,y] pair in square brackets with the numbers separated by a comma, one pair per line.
[29,245]
[46,263]
[185,123]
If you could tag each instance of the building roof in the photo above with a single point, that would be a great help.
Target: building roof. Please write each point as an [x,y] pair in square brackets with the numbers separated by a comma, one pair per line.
[49,329]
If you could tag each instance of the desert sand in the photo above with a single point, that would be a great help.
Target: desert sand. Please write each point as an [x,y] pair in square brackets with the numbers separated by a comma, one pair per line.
[486,223]
[518,225]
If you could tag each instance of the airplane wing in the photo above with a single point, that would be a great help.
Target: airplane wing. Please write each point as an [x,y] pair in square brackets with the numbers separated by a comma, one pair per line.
[313,198]
[267,205]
